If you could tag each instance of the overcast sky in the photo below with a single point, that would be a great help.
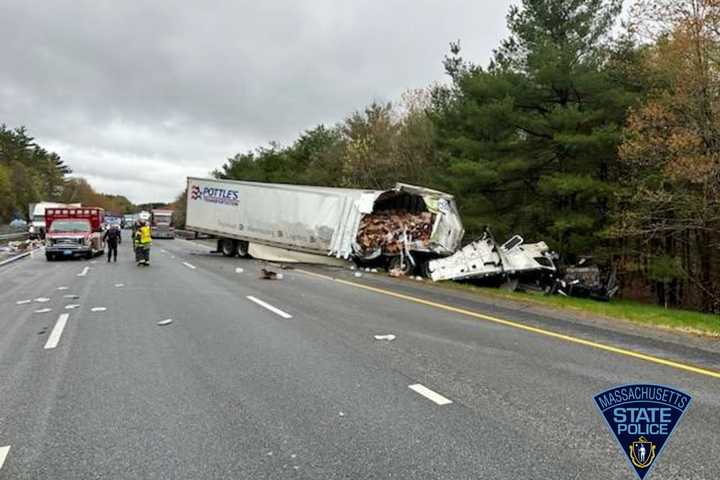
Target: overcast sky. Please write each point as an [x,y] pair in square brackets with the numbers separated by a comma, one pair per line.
[137,95]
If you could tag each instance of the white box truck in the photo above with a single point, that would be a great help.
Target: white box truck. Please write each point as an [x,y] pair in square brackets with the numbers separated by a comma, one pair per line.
[36,212]
[405,226]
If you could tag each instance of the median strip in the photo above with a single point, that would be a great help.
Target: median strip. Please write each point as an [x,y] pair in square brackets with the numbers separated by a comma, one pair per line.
[275,310]
[57,331]
[429,394]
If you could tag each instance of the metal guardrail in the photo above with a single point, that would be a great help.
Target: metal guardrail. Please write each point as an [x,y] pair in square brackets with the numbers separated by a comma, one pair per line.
[14,236]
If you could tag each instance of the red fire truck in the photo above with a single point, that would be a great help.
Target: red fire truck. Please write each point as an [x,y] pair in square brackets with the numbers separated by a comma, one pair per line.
[73,232]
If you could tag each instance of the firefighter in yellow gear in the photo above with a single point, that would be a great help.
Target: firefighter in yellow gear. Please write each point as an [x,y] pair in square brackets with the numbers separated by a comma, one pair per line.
[142,241]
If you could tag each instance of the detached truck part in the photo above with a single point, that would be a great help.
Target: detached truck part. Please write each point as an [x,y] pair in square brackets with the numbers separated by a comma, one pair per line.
[403,224]
[484,258]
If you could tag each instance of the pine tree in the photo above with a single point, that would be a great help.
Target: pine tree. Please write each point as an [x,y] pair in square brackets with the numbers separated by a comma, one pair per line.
[530,142]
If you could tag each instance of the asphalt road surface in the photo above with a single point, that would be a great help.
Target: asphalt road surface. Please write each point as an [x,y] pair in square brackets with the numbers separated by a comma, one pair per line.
[273,379]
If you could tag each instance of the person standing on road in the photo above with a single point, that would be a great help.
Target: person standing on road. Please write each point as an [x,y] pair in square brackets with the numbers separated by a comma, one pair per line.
[112,238]
[143,240]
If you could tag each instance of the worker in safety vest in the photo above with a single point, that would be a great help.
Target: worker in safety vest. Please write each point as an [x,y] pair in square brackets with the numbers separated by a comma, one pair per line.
[143,240]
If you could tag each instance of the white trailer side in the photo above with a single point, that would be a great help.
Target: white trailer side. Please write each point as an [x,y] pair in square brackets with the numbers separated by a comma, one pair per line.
[320,220]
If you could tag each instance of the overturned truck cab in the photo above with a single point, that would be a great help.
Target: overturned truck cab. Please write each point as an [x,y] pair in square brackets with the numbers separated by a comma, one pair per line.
[484,258]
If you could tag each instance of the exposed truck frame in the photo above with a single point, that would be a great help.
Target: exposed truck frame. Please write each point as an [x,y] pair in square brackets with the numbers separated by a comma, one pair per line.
[318,220]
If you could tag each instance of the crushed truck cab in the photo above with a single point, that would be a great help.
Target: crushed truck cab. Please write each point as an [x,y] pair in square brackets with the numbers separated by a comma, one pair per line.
[73,232]
[484,258]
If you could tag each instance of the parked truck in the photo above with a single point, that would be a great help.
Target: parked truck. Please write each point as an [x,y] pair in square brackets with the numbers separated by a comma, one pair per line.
[36,212]
[162,223]
[72,232]
[404,226]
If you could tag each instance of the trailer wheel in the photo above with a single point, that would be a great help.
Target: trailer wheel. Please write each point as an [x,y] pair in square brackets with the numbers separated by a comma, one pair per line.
[242,248]
[228,247]
[405,269]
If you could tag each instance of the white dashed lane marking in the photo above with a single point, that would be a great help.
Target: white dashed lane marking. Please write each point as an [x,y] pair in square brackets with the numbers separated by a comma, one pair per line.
[266,305]
[429,394]
[57,331]
[3,454]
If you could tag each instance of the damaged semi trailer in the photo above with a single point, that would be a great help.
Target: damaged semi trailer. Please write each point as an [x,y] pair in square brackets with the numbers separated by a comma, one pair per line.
[403,227]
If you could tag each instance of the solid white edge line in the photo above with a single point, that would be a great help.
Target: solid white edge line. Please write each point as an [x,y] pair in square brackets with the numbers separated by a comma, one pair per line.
[193,267]
[3,454]
[57,331]
[15,258]
[429,394]
[269,307]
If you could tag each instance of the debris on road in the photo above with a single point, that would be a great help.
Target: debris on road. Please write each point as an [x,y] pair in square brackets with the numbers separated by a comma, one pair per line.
[269,274]
[239,270]
[119,285]
[22,302]
[62,288]
[71,296]
[42,299]
[389,337]
[341,414]
[71,306]
[43,310]
[168,321]
[98,309]
[357,274]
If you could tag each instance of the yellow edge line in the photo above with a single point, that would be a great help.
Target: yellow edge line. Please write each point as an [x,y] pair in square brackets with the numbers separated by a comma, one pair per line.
[528,328]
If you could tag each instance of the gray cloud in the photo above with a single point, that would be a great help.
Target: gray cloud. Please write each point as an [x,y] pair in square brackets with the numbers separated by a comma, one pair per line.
[137,95]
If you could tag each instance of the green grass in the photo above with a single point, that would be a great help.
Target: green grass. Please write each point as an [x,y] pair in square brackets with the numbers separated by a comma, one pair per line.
[629,310]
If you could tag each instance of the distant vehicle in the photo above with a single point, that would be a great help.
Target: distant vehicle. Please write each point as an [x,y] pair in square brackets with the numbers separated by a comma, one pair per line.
[74,232]
[111,219]
[37,216]
[18,224]
[162,223]
[325,221]
[129,220]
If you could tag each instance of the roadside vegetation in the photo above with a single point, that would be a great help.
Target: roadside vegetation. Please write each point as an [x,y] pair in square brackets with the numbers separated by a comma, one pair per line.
[600,138]
[629,310]
[29,173]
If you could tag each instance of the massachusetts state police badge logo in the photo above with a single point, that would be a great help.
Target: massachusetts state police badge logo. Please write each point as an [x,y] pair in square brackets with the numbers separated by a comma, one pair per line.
[642,418]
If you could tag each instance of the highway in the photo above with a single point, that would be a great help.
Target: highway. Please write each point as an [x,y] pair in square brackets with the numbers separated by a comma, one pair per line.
[274,379]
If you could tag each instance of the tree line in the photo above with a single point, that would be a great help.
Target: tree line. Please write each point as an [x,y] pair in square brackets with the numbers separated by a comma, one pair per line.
[600,138]
[29,174]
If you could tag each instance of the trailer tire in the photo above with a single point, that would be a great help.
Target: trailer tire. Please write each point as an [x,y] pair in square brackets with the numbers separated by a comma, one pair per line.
[242,248]
[228,247]
[406,268]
